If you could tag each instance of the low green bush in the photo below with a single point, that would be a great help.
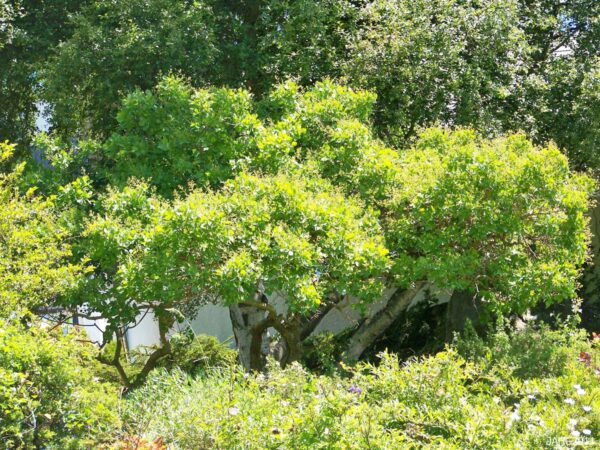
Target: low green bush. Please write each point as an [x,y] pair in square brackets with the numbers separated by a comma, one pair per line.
[488,397]
[49,397]
[523,354]
[196,354]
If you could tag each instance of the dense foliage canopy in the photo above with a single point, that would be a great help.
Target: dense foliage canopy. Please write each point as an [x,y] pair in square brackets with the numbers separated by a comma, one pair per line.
[417,167]
[297,198]
[35,252]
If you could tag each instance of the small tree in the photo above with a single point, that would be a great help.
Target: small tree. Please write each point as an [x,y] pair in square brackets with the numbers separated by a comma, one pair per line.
[502,219]
[499,218]
[288,235]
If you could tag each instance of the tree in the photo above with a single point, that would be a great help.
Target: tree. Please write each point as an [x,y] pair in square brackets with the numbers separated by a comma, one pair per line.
[562,59]
[29,31]
[119,47]
[177,135]
[500,218]
[496,66]
[287,235]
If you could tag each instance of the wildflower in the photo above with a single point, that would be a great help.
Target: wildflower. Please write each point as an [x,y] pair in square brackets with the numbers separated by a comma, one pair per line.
[355,389]
[580,391]
[569,401]
[586,431]
[576,386]
[531,397]
[587,408]
[572,423]
[575,433]
[233,411]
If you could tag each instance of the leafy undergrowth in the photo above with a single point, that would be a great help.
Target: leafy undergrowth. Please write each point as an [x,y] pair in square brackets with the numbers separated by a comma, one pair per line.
[532,389]
[50,397]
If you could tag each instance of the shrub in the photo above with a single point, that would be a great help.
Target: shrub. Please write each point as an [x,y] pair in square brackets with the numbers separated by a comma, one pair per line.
[523,353]
[49,397]
[322,353]
[197,354]
[442,401]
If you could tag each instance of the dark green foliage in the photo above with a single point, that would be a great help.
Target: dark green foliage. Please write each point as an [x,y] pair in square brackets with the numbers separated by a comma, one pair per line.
[323,351]
[118,47]
[29,31]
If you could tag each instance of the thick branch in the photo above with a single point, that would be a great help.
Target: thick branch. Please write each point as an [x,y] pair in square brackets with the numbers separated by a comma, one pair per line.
[164,324]
[368,332]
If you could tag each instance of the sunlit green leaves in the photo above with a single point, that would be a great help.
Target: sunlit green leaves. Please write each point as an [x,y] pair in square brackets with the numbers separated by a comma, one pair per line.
[35,251]
[502,217]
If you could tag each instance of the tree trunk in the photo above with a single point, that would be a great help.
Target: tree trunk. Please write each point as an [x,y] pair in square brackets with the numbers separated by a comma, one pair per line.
[368,332]
[292,335]
[244,320]
[464,305]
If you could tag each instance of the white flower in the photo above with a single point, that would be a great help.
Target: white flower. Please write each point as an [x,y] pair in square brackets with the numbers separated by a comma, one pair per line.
[233,411]
[572,423]
[580,391]
[576,386]
[575,433]
[587,432]
[587,408]
[569,401]
[531,397]
[496,400]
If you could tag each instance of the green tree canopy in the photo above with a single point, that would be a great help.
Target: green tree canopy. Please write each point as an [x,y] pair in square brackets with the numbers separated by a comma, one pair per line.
[283,182]
[118,47]
[29,32]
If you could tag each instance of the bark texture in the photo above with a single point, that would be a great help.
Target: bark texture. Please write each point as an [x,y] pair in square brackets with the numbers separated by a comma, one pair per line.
[245,321]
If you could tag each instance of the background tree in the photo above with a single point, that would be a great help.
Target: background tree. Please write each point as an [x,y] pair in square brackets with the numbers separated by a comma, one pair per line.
[29,31]
[119,47]
[496,66]
[430,61]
